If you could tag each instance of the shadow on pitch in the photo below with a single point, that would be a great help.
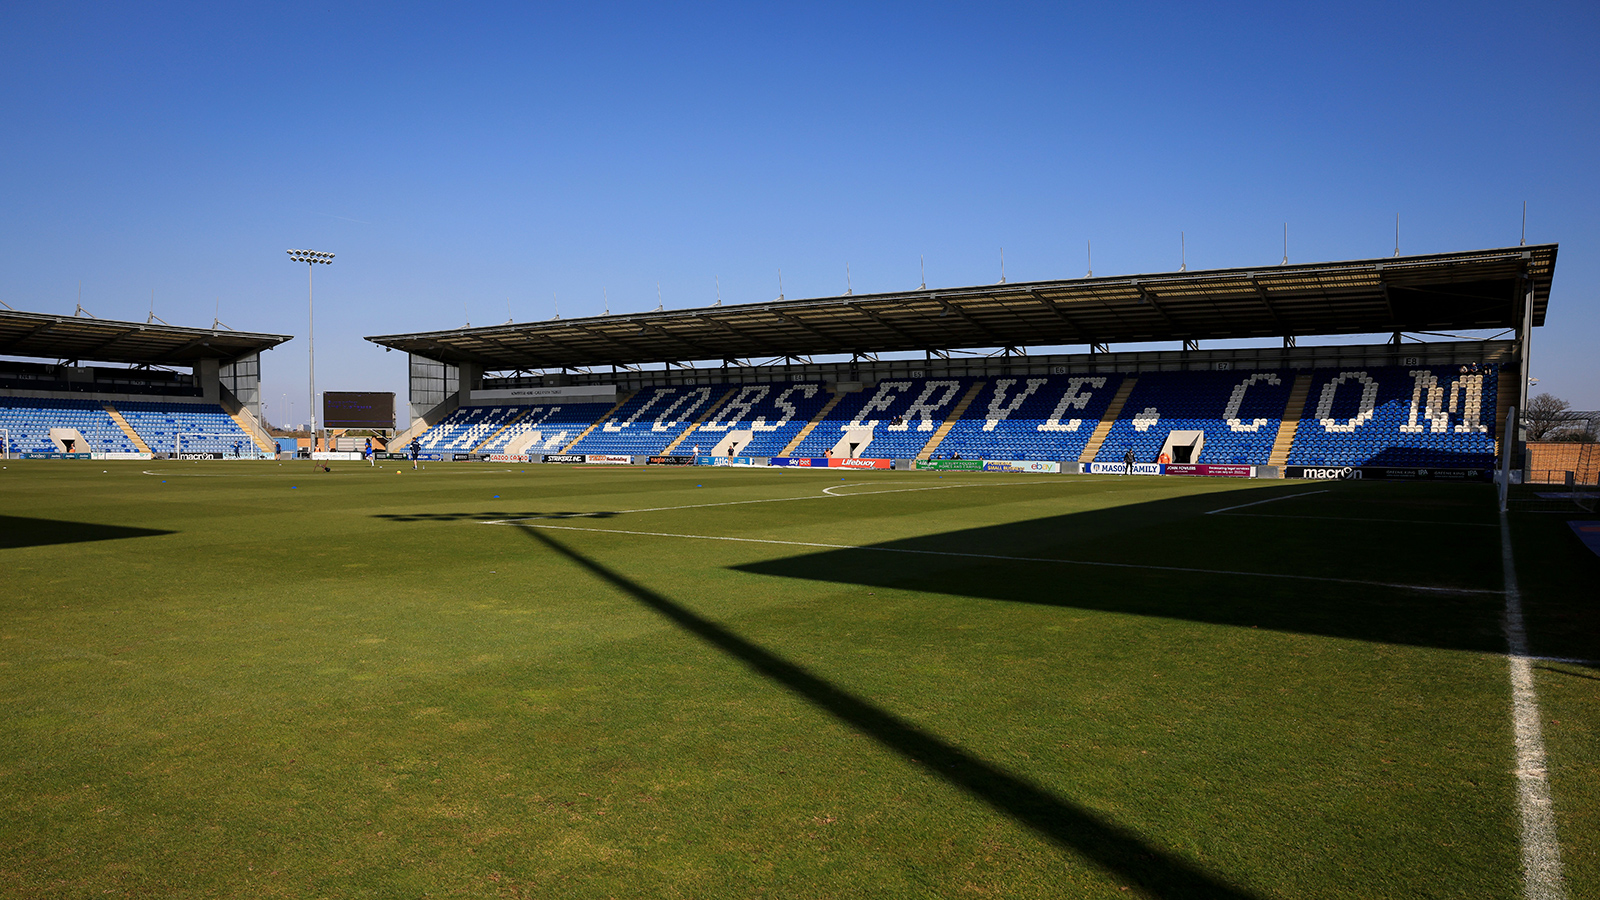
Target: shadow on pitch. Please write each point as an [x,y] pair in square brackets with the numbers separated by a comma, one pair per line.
[491,515]
[1133,540]
[21,531]
[1116,849]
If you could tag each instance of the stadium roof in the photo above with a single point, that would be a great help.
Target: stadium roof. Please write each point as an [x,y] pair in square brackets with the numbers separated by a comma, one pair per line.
[46,336]
[1474,290]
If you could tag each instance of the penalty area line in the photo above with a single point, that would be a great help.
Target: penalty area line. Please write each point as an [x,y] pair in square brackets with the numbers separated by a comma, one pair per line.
[1214,512]
[1432,589]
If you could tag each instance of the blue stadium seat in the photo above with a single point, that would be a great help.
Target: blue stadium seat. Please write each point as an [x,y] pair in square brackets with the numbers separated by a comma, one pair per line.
[650,420]
[1433,416]
[772,413]
[1238,412]
[899,416]
[1031,417]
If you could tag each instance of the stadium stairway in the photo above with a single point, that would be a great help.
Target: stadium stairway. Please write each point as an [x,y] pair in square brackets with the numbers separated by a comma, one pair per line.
[502,429]
[1291,420]
[951,420]
[711,409]
[126,428]
[249,426]
[1107,420]
[815,420]
[597,422]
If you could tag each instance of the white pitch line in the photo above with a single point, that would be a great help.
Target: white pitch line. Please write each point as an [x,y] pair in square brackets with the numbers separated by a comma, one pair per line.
[522,523]
[1213,512]
[1356,519]
[1541,851]
[822,496]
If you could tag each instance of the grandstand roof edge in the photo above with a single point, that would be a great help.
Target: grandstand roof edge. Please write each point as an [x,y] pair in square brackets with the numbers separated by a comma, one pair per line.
[1466,289]
[60,336]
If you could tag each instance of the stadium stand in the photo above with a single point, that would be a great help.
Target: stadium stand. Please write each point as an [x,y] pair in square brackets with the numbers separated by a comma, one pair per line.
[1439,416]
[1212,417]
[1039,417]
[650,420]
[544,429]
[29,420]
[894,419]
[204,427]
[759,419]
[467,427]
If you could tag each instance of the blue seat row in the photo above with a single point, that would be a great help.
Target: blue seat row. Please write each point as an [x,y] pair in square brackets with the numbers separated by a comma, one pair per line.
[650,420]
[1031,417]
[1237,413]
[1436,416]
[772,413]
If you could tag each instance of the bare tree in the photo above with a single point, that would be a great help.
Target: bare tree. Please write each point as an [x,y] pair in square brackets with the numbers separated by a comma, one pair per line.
[1544,417]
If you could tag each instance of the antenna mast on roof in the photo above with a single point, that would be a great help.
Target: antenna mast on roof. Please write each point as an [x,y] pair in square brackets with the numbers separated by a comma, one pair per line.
[556,302]
[1183,253]
[1285,244]
[1002,265]
[1396,234]
[509,318]
[216,318]
[81,311]
[780,284]
[1524,224]
[605,294]
[660,304]
[152,318]
[847,287]
[466,314]
[719,289]
[1088,254]
[923,265]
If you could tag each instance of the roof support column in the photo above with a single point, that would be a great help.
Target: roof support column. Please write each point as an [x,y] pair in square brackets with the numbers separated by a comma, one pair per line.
[1524,345]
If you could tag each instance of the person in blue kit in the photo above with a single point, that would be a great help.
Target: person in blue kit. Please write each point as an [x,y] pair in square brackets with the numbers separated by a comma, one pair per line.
[416,451]
[371,460]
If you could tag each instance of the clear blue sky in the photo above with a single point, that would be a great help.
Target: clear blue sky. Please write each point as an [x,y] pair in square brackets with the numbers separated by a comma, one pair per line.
[456,156]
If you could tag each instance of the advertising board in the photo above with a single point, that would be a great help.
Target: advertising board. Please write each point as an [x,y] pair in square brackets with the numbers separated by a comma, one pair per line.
[357,409]
[320,454]
[508,457]
[1215,471]
[1021,465]
[607,459]
[1384,473]
[469,457]
[562,458]
[1323,473]
[951,465]
[670,461]
[589,393]
[1117,468]
[196,454]
[723,461]
[849,462]
[120,454]
[54,455]
[799,462]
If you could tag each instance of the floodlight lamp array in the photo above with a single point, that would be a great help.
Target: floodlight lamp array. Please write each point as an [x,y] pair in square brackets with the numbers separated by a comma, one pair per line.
[311,256]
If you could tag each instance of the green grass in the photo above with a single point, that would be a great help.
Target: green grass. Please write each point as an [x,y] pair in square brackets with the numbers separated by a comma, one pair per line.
[249,680]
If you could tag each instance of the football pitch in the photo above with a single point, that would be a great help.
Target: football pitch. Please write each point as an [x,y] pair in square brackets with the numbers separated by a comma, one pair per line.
[241,679]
